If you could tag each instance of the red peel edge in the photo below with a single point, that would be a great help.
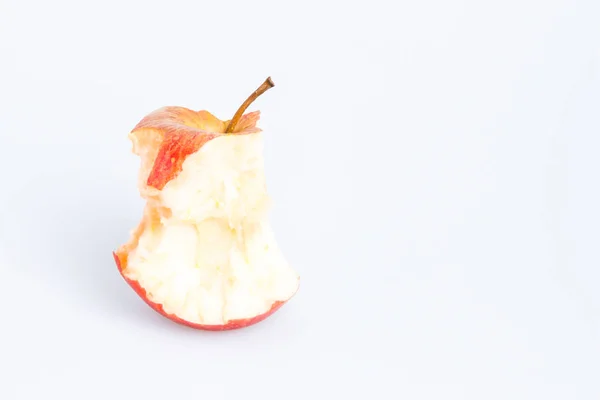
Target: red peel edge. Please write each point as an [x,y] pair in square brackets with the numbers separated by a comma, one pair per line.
[232,324]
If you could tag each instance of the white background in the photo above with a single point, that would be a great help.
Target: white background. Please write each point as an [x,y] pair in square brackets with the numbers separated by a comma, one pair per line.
[434,170]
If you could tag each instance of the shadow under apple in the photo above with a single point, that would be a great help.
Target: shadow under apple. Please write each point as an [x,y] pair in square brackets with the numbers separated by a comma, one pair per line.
[62,235]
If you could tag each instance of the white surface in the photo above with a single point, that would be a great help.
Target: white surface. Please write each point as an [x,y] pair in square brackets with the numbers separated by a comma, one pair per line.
[434,170]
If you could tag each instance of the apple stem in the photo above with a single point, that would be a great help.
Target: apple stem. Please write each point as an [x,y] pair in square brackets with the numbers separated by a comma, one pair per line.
[266,85]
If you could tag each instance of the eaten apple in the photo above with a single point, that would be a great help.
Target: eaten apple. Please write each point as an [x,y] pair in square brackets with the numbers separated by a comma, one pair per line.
[204,254]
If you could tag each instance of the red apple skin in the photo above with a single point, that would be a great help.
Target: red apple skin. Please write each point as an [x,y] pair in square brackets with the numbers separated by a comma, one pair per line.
[233,324]
[181,132]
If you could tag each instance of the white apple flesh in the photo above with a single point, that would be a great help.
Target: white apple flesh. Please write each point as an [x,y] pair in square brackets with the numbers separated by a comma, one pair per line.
[214,259]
